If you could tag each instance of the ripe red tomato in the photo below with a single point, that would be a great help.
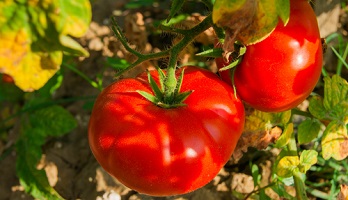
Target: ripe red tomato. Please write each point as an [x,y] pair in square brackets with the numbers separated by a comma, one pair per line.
[160,151]
[281,71]
[225,74]
[7,78]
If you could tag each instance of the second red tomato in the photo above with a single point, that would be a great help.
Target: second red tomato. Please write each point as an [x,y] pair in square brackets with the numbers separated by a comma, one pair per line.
[281,71]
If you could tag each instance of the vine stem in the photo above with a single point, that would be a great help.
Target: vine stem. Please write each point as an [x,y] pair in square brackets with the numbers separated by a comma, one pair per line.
[189,35]
[299,184]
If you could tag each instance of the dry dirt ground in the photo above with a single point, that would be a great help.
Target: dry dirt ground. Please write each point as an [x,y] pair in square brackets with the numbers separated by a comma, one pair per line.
[68,161]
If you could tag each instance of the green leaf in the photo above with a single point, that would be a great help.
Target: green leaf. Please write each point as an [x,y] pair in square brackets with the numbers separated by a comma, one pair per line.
[333,109]
[286,135]
[40,22]
[255,172]
[34,181]
[137,4]
[285,117]
[263,195]
[54,120]
[316,108]
[51,121]
[283,10]
[334,105]
[336,91]
[117,63]
[71,47]
[335,141]
[308,130]
[307,159]
[287,165]
[175,8]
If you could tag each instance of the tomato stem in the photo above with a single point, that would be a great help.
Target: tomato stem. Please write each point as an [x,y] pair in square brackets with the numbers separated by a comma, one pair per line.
[170,80]
[171,83]
[300,186]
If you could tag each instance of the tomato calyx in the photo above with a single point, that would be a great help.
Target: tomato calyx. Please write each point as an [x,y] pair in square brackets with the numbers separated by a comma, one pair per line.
[160,96]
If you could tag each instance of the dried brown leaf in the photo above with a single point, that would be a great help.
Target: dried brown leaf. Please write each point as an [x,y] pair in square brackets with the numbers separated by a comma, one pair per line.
[343,195]
[257,139]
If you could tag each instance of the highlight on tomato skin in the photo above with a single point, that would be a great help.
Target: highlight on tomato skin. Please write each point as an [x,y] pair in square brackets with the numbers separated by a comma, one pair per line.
[165,152]
[280,72]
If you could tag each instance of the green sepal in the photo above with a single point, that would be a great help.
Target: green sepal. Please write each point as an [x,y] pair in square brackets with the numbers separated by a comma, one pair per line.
[230,66]
[179,83]
[149,96]
[176,6]
[180,97]
[162,77]
[158,97]
[158,92]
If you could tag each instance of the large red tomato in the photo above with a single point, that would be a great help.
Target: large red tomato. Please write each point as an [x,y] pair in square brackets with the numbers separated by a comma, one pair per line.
[160,151]
[281,71]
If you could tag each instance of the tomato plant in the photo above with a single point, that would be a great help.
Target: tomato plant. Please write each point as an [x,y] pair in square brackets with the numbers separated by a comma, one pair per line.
[281,71]
[160,151]
[169,131]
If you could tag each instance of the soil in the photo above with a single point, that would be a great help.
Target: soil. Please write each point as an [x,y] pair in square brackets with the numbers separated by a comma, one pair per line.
[68,161]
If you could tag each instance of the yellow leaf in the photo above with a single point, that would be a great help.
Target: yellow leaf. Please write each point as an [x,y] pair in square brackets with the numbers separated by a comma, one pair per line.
[287,165]
[30,70]
[335,141]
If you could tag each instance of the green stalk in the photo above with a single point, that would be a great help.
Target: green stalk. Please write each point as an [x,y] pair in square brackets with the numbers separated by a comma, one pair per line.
[81,74]
[170,82]
[299,184]
[299,112]
[318,193]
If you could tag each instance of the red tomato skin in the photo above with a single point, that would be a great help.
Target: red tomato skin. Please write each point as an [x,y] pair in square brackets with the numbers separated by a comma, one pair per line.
[225,74]
[281,71]
[7,78]
[164,152]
